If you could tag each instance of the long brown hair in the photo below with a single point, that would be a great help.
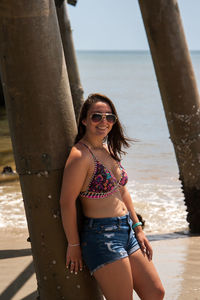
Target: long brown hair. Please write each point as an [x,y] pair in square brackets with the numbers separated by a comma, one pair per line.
[116,138]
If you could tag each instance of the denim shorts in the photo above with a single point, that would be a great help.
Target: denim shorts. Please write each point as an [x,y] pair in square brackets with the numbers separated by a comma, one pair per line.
[105,240]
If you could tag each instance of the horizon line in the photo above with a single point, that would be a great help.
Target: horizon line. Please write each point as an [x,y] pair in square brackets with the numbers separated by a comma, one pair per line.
[127,50]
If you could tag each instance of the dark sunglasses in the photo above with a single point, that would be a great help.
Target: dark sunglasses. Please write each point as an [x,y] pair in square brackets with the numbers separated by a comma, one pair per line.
[97,117]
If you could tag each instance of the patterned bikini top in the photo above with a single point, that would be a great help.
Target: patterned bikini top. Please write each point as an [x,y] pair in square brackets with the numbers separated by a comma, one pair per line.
[103,183]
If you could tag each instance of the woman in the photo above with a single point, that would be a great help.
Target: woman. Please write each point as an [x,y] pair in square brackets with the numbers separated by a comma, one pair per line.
[119,257]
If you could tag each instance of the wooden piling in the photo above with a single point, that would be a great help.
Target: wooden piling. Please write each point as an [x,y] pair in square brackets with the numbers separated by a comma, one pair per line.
[179,94]
[42,125]
[70,56]
[2,101]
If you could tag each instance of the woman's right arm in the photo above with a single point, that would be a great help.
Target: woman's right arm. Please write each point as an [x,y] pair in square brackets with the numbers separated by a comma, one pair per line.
[73,178]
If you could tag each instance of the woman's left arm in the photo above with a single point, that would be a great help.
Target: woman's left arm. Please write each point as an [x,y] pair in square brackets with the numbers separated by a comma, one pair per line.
[142,239]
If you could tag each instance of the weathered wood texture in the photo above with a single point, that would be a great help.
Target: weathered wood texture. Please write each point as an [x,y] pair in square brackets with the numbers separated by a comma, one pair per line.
[70,57]
[179,94]
[42,125]
[2,101]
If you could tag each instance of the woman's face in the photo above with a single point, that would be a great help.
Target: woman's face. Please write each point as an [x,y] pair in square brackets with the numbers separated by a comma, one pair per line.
[101,128]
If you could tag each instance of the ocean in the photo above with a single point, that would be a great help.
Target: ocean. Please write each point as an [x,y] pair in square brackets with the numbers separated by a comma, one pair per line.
[128,78]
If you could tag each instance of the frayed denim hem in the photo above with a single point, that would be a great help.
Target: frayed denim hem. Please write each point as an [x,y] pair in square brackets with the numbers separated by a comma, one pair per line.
[134,249]
[108,262]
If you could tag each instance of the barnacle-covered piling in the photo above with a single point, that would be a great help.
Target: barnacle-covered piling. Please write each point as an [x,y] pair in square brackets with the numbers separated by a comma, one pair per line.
[43,126]
[178,89]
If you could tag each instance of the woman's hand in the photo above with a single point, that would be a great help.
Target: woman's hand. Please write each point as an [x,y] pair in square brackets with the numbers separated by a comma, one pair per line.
[144,244]
[74,258]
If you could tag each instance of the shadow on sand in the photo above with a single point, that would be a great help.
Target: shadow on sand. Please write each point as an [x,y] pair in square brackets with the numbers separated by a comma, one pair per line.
[23,277]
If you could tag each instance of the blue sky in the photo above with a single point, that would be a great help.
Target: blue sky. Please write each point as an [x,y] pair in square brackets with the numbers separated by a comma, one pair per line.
[118,25]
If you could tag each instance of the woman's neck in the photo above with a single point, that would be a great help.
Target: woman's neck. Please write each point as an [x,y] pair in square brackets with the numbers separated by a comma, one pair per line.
[93,142]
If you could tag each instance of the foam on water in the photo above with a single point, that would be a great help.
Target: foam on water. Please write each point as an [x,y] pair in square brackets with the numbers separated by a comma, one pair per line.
[161,205]
[12,213]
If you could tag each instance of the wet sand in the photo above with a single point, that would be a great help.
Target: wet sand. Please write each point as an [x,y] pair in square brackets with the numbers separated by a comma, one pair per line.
[176,257]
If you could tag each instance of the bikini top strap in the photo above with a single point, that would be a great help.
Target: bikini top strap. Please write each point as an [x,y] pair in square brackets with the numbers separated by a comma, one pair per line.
[89,150]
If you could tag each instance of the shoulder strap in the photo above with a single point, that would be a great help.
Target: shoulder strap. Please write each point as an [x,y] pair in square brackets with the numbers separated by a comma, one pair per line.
[89,150]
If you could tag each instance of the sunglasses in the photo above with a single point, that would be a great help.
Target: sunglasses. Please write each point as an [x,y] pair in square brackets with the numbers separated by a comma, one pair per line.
[98,117]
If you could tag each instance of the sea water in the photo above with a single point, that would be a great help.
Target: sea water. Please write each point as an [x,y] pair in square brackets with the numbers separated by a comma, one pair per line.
[128,78]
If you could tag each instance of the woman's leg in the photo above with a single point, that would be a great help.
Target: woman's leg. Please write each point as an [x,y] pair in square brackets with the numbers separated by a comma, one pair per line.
[146,281]
[115,280]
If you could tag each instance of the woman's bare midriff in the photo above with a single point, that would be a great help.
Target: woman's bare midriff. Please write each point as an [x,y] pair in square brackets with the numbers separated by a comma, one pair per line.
[108,207]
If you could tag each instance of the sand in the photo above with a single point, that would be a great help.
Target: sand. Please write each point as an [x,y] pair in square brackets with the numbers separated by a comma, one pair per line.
[178,263]
[176,256]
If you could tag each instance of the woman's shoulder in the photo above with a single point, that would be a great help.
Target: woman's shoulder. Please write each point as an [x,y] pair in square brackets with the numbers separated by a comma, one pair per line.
[79,154]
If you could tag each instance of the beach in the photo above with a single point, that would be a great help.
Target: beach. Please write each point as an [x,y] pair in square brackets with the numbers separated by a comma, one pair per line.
[128,78]
[176,257]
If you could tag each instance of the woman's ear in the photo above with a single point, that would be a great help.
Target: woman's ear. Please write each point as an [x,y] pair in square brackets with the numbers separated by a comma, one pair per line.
[84,122]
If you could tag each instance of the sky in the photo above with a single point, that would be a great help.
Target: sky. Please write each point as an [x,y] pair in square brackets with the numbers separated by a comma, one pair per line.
[118,25]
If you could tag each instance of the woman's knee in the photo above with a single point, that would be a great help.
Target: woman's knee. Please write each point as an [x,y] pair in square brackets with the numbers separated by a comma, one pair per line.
[151,290]
[159,293]
[156,293]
